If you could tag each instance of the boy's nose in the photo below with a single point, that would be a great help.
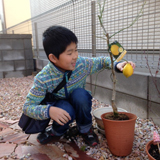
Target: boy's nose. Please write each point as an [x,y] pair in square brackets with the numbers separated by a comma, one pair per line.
[75,55]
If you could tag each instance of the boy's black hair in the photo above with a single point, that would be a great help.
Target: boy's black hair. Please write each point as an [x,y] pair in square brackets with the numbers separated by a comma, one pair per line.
[56,39]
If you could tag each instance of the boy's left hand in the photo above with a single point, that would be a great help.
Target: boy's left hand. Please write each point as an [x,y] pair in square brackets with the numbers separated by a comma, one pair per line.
[121,65]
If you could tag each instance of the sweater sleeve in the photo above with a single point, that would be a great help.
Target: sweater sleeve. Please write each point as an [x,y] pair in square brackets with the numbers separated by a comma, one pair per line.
[32,107]
[115,67]
[96,64]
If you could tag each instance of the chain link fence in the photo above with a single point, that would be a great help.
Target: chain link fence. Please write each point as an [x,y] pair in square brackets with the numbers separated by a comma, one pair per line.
[141,40]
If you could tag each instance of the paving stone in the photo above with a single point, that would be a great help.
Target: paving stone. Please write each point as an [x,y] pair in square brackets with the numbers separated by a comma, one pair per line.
[52,151]
[6,149]
[15,127]
[70,150]
[22,151]
[40,156]
[8,121]
[6,132]
[17,138]
[33,139]
[3,126]
[73,150]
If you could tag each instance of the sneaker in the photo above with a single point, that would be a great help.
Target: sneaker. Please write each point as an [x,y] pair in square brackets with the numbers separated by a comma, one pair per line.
[45,137]
[90,138]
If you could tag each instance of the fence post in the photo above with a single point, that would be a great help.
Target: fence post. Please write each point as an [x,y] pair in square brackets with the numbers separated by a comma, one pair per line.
[3,18]
[36,38]
[93,28]
[93,12]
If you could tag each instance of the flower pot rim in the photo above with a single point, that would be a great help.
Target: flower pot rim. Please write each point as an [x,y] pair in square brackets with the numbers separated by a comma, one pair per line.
[103,108]
[146,149]
[125,121]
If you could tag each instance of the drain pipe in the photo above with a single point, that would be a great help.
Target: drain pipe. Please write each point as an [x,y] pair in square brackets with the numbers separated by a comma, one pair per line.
[34,65]
[34,68]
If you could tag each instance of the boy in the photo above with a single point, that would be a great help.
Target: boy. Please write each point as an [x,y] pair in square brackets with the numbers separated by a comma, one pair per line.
[72,102]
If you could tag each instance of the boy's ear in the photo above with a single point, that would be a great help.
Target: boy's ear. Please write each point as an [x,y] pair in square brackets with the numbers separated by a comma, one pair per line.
[52,58]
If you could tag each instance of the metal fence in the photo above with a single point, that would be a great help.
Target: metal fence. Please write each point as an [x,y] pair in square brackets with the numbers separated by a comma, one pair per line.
[141,40]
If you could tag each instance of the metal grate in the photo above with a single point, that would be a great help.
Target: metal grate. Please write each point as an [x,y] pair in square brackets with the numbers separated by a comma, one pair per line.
[142,40]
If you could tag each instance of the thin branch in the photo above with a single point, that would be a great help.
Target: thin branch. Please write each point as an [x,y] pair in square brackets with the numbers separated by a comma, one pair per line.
[138,16]
[154,79]
[157,67]
[101,10]
[102,38]
[96,82]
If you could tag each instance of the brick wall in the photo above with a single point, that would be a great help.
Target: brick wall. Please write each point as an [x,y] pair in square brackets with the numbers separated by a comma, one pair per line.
[16,56]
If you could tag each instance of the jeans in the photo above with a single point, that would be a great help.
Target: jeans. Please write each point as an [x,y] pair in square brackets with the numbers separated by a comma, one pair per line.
[78,105]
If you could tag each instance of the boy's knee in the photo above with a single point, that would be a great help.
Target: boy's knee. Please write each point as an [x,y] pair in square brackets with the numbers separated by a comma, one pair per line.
[65,105]
[81,97]
[80,94]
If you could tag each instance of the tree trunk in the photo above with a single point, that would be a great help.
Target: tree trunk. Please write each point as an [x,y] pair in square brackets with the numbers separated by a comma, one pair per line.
[114,81]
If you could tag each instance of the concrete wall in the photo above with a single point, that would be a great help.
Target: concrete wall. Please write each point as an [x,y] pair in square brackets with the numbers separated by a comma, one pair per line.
[137,94]
[16,57]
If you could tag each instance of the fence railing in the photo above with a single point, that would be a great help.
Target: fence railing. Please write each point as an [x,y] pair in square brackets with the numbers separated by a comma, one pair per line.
[142,40]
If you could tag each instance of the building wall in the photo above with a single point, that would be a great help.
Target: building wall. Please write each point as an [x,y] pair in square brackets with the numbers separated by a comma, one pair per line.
[16,57]
[16,11]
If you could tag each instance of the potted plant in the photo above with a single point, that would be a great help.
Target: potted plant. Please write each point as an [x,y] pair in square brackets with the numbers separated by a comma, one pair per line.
[152,147]
[119,126]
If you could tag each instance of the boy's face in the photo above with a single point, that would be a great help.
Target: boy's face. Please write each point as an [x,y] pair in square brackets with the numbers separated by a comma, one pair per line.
[67,59]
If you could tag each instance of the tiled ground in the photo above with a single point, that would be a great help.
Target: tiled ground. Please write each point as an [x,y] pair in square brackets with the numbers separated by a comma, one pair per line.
[14,144]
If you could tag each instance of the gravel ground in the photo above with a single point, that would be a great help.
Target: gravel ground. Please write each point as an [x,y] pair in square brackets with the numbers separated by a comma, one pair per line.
[13,92]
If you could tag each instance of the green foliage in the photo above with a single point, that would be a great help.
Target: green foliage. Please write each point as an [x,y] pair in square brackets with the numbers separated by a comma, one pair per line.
[83,148]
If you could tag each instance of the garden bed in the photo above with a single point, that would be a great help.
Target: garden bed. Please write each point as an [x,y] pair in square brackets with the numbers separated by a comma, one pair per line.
[13,93]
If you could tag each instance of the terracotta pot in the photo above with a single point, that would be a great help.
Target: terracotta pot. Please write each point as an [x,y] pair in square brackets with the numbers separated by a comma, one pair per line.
[148,146]
[120,134]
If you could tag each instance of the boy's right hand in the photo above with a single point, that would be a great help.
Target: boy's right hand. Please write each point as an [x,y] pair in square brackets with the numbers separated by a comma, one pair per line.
[59,115]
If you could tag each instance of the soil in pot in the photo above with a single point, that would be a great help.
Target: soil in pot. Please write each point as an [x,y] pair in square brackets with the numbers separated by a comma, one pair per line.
[120,117]
[153,151]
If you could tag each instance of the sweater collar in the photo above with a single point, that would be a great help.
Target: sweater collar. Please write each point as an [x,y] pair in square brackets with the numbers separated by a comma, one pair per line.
[55,69]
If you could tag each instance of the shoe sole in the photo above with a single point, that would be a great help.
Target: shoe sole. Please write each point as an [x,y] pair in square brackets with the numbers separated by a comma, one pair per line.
[45,142]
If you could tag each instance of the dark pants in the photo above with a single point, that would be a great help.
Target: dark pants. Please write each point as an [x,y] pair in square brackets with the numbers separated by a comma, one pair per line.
[79,108]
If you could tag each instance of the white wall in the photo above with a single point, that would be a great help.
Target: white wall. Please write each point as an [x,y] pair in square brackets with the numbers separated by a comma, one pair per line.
[16,11]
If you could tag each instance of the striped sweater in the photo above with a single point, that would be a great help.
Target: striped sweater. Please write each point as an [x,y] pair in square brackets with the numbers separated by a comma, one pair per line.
[50,76]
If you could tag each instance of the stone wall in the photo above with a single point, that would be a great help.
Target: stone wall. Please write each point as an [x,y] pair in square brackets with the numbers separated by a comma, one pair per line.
[16,56]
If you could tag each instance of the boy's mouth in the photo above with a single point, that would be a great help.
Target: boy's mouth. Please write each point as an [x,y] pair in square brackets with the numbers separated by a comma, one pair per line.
[73,64]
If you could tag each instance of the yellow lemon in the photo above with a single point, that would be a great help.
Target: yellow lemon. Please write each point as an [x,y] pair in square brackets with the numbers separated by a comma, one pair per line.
[128,70]
[114,49]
